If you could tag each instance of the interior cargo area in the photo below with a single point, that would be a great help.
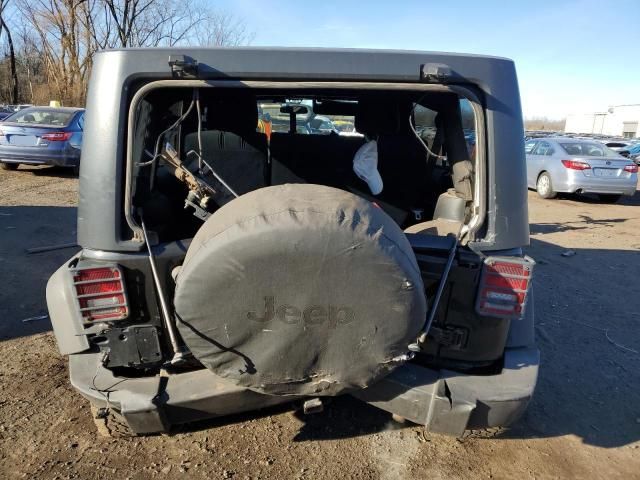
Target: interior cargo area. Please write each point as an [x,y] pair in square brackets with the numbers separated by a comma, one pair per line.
[193,150]
[236,140]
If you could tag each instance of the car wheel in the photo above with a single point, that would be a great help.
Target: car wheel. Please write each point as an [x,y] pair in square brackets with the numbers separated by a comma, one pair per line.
[544,186]
[9,166]
[608,198]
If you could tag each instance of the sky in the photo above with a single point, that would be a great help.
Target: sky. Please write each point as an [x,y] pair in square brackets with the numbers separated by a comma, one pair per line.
[571,56]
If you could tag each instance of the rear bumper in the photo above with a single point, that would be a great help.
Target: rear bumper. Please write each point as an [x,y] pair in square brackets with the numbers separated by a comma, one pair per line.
[69,157]
[451,402]
[578,182]
[443,401]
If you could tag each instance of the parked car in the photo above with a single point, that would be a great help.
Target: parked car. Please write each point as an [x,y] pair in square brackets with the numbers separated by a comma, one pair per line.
[632,152]
[578,166]
[617,145]
[221,271]
[320,125]
[4,113]
[42,136]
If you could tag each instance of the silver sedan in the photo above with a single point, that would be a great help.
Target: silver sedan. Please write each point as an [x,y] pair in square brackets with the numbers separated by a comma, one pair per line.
[574,165]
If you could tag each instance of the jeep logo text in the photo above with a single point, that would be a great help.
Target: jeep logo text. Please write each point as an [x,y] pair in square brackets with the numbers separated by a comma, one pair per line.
[311,315]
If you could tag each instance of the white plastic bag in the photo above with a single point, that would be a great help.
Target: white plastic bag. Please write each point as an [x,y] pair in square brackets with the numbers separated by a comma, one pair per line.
[365,165]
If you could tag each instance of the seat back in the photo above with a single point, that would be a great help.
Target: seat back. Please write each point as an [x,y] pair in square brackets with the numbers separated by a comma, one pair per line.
[320,159]
[231,146]
[402,159]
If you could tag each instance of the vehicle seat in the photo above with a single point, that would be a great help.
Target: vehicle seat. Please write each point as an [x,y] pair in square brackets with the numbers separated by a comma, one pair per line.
[320,159]
[231,146]
[402,159]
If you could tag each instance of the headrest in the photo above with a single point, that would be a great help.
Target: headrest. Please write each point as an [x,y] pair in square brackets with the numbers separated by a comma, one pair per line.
[232,113]
[379,117]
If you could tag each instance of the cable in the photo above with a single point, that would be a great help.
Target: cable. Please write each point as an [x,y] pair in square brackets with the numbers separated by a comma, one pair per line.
[156,152]
[197,94]
[200,159]
[439,157]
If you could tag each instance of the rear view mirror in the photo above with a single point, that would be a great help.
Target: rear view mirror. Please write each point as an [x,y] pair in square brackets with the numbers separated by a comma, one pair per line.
[296,109]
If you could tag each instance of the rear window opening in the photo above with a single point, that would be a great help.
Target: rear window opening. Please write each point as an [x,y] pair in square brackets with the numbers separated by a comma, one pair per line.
[231,141]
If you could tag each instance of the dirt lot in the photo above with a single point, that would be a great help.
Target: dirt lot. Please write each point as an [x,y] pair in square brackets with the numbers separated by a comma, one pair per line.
[584,420]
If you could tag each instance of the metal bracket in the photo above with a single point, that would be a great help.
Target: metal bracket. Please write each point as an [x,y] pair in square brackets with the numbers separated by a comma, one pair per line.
[449,336]
[435,73]
[198,211]
[183,66]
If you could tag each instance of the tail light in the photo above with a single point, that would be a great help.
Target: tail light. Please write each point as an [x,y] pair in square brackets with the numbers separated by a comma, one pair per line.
[56,136]
[576,165]
[101,293]
[631,168]
[504,286]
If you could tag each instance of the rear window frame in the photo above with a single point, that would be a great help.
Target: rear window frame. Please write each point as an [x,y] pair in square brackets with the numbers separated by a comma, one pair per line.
[472,231]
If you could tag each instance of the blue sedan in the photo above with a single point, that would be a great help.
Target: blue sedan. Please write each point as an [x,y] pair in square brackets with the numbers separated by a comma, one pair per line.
[42,136]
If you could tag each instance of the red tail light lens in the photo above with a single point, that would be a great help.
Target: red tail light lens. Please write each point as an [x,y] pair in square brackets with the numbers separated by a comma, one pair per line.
[101,293]
[504,286]
[631,168]
[56,136]
[576,165]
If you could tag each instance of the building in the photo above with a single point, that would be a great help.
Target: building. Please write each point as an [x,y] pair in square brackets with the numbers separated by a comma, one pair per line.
[618,121]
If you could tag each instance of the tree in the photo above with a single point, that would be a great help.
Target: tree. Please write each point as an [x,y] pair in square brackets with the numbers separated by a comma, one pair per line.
[60,37]
[12,54]
[67,49]
[145,23]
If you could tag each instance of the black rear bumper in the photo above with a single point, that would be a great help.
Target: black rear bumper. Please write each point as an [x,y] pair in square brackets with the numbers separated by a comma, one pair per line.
[444,401]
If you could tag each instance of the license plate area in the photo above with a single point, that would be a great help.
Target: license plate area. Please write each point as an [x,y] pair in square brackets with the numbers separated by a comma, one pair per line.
[23,140]
[605,172]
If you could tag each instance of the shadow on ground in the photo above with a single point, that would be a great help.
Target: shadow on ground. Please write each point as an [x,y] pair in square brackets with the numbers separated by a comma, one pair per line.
[24,276]
[589,198]
[586,222]
[587,315]
[47,171]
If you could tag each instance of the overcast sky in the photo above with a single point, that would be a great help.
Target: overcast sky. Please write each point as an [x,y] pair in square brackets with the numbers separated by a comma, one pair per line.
[571,56]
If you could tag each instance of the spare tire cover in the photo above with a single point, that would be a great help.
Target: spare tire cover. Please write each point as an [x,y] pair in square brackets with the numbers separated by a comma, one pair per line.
[300,290]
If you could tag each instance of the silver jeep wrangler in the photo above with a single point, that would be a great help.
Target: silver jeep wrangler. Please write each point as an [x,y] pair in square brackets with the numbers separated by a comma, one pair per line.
[261,226]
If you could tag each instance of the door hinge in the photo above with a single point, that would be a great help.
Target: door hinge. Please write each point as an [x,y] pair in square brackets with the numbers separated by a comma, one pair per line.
[183,66]
[451,337]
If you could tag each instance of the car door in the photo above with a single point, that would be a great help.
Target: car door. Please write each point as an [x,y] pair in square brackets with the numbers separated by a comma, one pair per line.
[529,146]
[544,161]
[77,129]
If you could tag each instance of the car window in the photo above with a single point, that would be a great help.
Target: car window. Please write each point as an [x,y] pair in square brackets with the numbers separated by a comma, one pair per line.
[587,149]
[81,121]
[41,117]
[528,147]
[309,123]
[543,148]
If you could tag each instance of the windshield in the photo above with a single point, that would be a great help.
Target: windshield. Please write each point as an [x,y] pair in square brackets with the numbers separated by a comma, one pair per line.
[41,117]
[587,149]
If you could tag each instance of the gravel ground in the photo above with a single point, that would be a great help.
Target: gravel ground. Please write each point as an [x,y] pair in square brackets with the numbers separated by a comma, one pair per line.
[583,422]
